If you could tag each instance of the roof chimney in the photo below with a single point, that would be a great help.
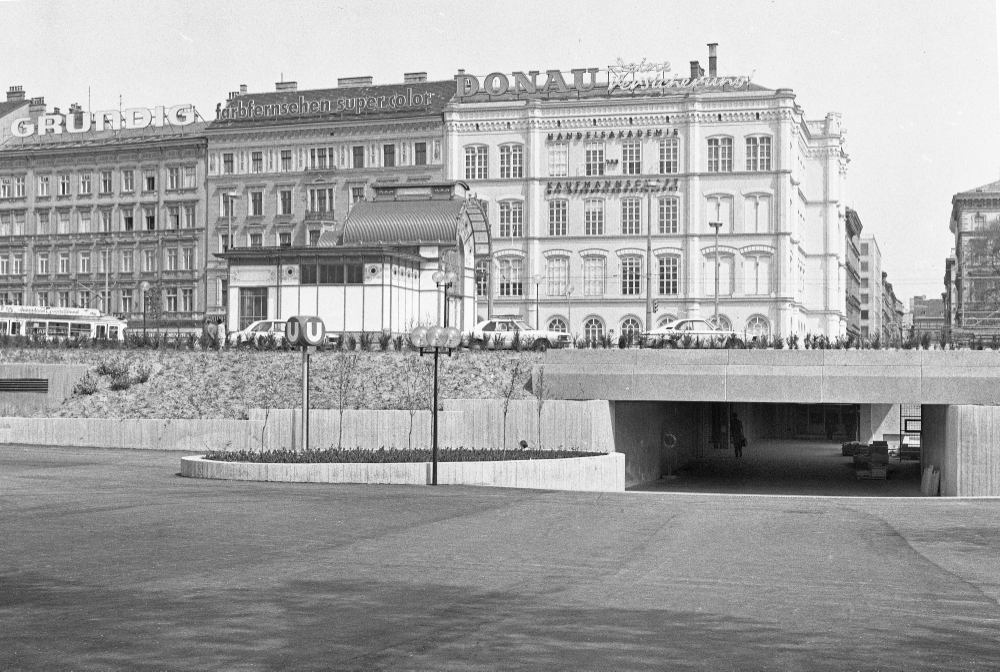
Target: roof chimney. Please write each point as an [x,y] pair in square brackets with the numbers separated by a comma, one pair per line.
[286,86]
[696,70]
[349,82]
[243,89]
[414,77]
[15,94]
[712,60]
[37,105]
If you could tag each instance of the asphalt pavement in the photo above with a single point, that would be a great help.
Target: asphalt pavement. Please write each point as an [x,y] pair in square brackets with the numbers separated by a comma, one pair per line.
[111,561]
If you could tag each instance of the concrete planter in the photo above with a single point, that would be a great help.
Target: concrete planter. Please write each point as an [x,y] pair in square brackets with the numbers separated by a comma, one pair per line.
[602,473]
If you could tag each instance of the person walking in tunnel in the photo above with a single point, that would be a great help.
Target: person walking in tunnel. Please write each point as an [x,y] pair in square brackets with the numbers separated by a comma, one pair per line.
[736,434]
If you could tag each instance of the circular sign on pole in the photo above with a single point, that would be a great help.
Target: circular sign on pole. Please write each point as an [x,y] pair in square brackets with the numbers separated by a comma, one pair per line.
[304,330]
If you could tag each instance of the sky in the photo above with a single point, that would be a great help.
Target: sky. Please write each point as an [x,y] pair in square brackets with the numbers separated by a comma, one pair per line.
[916,82]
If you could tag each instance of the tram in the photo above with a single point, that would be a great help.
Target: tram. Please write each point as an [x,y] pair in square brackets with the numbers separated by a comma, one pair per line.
[49,322]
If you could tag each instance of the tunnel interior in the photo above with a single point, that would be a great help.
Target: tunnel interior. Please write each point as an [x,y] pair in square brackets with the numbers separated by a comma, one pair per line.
[790,449]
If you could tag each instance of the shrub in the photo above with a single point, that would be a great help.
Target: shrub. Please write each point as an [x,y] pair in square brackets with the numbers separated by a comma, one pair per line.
[365,340]
[793,342]
[516,344]
[143,372]
[384,341]
[350,342]
[121,382]
[925,341]
[398,343]
[113,366]
[497,341]
[86,385]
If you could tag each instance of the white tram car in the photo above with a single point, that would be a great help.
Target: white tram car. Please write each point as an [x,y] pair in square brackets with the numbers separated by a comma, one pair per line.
[48,322]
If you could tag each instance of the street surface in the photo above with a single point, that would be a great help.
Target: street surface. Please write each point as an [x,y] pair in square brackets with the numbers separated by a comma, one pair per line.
[110,561]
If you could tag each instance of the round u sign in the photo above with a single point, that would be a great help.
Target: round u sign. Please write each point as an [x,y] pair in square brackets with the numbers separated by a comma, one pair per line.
[303,330]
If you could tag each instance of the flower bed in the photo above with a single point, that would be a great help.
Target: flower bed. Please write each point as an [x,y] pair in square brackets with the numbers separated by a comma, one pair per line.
[388,456]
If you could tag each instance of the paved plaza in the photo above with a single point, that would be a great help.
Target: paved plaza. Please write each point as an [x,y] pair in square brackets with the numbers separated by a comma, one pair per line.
[110,561]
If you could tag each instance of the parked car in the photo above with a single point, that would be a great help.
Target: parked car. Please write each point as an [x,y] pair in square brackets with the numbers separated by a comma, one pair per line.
[695,328]
[506,328]
[259,330]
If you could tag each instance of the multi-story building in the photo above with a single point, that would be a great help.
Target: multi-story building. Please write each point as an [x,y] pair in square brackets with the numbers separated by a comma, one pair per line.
[928,316]
[112,219]
[853,228]
[16,107]
[974,283]
[872,289]
[287,165]
[605,197]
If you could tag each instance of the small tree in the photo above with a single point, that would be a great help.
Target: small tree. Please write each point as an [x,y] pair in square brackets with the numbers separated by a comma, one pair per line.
[345,381]
[414,388]
[508,386]
[540,400]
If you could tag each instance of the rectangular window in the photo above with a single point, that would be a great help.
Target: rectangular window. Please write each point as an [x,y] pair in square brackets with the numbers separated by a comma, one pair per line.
[593,276]
[314,237]
[864,299]
[320,200]
[105,181]
[864,314]
[593,217]
[148,261]
[557,218]
[559,160]
[864,266]
[223,242]
[357,194]
[864,283]
[43,223]
[43,185]
[188,216]
[631,217]
[256,162]
[512,161]
[317,158]
[482,277]
[557,275]
[5,224]
[595,158]
[420,154]
[105,262]
[511,219]
[631,276]
[720,155]
[227,163]
[173,217]
[128,220]
[171,259]
[757,276]
[388,156]
[284,239]
[256,240]
[83,300]
[187,300]
[253,305]
[668,221]
[4,265]
[63,263]
[864,249]
[510,276]
[149,214]
[223,292]
[171,306]
[85,184]
[668,156]
[256,203]
[43,263]
[84,263]
[476,163]
[286,202]
[149,181]
[187,259]
[63,219]
[19,187]
[126,300]
[189,175]
[105,216]
[128,181]
[173,178]
[43,299]
[358,156]
[65,188]
[632,158]
[83,225]
[127,261]
[5,187]
[286,160]
[63,298]
[759,153]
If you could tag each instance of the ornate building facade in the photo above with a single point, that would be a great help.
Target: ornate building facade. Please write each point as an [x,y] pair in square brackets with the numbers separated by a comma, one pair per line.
[973,277]
[603,196]
[286,166]
[111,219]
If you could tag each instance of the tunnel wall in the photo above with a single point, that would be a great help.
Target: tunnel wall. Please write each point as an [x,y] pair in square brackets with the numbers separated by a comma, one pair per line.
[640,428]
[963,443]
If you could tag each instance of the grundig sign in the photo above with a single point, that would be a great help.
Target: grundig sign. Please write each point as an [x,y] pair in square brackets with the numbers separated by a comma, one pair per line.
[625,76]
[134,118]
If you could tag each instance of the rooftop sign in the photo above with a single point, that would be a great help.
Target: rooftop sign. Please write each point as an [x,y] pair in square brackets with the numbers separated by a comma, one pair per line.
[246,107]
[83,122]
[642,76]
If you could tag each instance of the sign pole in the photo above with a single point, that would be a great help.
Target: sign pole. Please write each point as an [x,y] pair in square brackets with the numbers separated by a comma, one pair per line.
[305,399]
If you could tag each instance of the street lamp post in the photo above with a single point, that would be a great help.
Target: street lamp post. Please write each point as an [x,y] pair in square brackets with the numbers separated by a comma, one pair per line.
[144,288]
[650,186]
[537,279]
[716,226]
[434,340]
[569,313]
[446,280]
[230,197]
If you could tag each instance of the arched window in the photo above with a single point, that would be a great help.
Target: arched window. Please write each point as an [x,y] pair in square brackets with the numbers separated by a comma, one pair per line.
[558,324]
[631,326]
[724,322]
[758,325]
[593,328]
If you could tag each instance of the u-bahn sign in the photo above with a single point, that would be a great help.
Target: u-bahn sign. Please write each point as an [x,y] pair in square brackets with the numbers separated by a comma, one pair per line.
[305,331]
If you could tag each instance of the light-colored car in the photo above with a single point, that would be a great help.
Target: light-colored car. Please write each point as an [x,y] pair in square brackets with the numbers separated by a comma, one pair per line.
[259,330]
[506,328]
[695,328]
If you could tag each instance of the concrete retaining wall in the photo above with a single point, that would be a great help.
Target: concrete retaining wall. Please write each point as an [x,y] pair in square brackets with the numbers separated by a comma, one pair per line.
[963,443]
[186,435]
[605,473]
[62,379]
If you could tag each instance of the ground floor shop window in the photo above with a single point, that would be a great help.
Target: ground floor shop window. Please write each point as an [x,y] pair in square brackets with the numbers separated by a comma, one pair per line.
[253,305]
